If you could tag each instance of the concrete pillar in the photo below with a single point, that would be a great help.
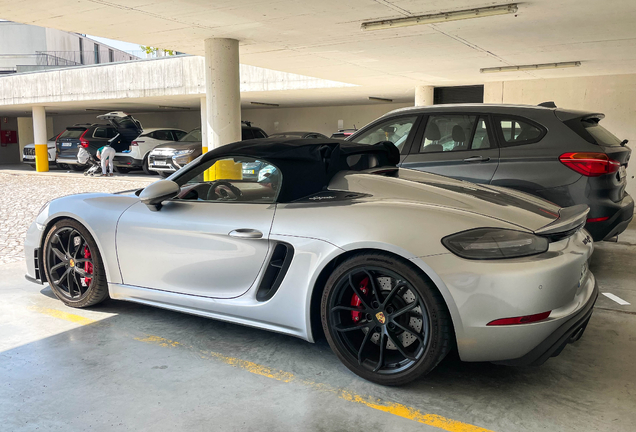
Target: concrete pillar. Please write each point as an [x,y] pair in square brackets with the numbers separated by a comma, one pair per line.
[222,92]
[39,138]
[424,95]
[204,124]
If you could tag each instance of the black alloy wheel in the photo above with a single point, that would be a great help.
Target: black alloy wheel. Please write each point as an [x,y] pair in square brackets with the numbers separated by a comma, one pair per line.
[73,265]
[383,320]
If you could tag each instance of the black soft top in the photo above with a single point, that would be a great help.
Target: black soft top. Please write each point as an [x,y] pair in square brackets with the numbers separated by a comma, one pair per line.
[308,165]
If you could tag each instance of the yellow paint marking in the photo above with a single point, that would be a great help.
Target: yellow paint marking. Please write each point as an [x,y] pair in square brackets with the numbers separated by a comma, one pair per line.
[158,341]
[396,409]
[63,315]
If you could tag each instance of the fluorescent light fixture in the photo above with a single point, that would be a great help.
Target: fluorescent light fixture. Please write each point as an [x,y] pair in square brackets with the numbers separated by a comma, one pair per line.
[373,98]
[265,104]
[440,17]
[531,67]
[173,107]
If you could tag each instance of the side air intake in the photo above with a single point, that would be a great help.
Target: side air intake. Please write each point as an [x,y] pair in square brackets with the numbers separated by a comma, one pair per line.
[275,272]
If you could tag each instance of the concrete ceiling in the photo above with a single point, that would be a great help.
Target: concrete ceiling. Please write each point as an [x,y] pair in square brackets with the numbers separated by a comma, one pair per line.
[323,38]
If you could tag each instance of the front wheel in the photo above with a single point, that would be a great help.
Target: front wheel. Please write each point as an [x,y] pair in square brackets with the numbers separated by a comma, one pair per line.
[73,265]
[383,320]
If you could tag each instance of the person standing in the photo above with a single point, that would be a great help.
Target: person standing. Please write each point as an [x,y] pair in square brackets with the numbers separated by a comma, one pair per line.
[106,154]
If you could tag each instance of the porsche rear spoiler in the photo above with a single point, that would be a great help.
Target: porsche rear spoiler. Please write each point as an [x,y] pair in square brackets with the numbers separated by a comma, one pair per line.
[570,219]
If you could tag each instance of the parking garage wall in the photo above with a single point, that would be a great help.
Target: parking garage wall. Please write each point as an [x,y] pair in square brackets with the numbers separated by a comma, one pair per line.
[613,95]
[325,120]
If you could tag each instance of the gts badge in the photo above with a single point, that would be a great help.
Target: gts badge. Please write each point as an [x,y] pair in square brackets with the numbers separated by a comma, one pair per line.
[587,240]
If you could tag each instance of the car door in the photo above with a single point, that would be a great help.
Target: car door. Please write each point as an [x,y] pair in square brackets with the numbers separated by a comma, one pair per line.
[461,146]
[211,241]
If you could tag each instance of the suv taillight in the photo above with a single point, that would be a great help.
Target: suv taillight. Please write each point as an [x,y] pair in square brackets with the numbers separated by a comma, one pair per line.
[590,164]
[82,140]
[134,143]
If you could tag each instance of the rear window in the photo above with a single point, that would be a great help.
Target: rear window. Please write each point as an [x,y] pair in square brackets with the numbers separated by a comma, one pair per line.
[601,135]
[72,133]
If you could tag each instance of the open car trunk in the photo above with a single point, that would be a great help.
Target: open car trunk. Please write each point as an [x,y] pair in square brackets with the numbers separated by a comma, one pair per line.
[127,126]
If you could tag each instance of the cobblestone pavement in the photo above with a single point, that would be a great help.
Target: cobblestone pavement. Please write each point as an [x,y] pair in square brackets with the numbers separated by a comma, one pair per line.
[22,196]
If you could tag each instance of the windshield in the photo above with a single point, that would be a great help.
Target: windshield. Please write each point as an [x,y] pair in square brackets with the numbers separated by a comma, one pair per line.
[192,136]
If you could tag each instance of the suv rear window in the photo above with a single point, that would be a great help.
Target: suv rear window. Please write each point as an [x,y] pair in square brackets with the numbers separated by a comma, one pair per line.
[72,133]
[601,135]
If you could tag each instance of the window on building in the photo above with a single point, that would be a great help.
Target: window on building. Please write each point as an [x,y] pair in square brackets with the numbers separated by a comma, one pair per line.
[81,50]
[96,52]
[111,56]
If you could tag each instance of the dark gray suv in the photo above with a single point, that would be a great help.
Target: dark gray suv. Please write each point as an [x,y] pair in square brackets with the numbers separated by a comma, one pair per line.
[563,156]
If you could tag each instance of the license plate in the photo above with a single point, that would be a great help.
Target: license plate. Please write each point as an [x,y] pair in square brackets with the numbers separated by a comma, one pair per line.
[28,157]
[622,172]
[248,171]
[67,144]
[160,162]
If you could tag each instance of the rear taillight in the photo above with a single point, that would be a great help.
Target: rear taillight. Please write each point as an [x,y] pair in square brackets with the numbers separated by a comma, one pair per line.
[82,140]
[136,143]
[527,319]
[600,219]
[590,164]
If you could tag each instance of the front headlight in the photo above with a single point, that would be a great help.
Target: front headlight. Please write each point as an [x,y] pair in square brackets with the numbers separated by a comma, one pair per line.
[182,153]
[494,243]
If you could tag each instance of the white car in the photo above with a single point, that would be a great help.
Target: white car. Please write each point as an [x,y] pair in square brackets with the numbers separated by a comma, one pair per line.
[28,153]
[137,155]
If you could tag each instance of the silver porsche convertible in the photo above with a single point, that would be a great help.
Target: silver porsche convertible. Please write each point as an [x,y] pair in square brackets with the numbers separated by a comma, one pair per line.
[396,267]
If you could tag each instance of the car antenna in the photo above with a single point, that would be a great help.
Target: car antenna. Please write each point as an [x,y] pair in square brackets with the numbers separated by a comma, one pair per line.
[550,104]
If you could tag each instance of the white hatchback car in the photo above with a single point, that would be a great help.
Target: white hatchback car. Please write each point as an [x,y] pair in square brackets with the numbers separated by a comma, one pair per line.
[137,155]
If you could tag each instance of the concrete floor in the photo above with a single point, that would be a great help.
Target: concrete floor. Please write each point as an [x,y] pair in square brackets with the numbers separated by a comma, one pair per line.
[121,366]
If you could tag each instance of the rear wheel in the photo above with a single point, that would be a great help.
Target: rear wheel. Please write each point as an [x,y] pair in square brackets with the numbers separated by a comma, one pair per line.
[78,167]
[383,320]
[73,265]
[63,166]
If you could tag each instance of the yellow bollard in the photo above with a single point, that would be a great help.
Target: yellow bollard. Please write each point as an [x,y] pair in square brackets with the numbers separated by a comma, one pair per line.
[41,158]
[225,169]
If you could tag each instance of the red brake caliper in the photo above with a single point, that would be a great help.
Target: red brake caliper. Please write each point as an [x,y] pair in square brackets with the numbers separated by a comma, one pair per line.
[88,267]
[355,300]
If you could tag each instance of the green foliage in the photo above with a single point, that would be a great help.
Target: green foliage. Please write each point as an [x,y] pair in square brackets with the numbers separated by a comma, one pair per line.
[151,50]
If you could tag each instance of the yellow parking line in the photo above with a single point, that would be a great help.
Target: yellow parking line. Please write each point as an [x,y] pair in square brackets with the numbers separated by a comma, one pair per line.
[63,315]
[396,409]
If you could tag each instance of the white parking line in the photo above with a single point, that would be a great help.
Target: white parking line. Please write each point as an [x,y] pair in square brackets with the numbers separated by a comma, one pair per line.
[616,298]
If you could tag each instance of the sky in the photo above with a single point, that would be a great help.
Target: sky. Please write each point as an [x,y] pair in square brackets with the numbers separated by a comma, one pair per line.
[124,46]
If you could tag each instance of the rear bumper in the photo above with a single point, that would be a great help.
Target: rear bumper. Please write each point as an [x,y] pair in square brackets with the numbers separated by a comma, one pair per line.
[68,161]
[127,162]
[622,215]
[570,331]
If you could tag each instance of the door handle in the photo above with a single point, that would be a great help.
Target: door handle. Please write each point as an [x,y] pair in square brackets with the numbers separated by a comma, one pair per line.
[246,233]
[477,159]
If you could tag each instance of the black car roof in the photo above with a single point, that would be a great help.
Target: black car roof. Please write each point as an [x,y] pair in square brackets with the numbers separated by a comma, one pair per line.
[527,110]
[307,166]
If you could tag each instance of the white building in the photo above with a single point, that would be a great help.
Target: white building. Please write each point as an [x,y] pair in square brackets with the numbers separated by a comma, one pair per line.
[29,48]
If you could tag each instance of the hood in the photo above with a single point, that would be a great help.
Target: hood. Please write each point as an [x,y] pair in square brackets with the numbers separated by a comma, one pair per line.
[179,145]
[514,207]
[127,126]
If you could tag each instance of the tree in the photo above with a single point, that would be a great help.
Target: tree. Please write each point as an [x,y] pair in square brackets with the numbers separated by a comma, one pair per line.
[150,50]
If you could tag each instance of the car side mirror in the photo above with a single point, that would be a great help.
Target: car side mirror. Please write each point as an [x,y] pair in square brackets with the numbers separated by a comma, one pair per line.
[158,192]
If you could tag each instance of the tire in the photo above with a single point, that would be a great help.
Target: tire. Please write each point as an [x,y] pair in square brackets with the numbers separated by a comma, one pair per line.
[392,350]
[63,166]
[78,167]
[122,170]
[164,174]
[59,237]
[145,168]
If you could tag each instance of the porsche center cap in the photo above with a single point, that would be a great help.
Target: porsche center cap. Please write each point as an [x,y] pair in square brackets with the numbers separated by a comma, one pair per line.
[71,263]
[380,317]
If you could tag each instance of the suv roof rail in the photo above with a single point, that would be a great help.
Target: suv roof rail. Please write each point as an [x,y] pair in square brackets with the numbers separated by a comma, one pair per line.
[247,123]
[549,104]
